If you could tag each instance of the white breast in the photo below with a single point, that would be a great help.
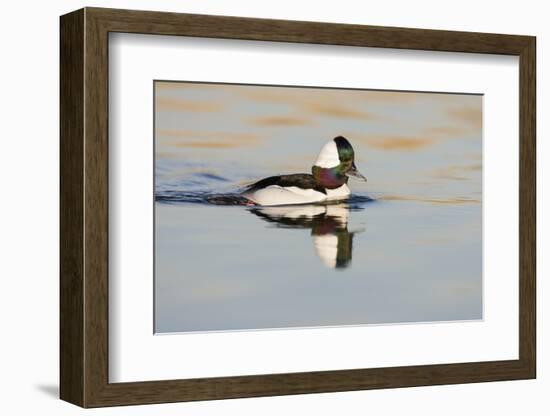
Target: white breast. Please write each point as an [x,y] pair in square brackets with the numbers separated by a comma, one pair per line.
[277,195]
[338,193]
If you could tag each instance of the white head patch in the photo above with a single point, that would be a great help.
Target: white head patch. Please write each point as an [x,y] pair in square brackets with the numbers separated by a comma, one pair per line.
[328,157]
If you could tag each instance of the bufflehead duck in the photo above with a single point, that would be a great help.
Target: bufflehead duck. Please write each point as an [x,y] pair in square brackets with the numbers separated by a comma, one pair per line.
[327,181]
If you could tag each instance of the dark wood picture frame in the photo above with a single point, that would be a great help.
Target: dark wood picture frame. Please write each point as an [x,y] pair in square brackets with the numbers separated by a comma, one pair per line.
[84,207]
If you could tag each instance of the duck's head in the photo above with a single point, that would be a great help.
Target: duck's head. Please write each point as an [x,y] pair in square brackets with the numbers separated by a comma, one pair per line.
[335,163]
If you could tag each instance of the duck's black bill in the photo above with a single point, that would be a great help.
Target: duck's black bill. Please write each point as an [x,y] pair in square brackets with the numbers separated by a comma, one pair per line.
[356,174]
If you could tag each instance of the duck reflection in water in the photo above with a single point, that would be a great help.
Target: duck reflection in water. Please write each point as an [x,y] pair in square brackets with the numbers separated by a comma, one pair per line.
[332,240]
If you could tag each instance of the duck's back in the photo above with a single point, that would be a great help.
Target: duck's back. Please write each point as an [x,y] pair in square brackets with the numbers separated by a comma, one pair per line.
[299,188]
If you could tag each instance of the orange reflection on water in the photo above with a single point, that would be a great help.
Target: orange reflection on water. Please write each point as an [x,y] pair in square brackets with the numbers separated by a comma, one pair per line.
[178,104]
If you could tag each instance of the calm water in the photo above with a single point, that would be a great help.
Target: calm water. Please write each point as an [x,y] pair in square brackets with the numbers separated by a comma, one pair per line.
[406,248]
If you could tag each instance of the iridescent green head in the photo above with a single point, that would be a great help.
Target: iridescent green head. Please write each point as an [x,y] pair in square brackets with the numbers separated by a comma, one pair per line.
[335,163]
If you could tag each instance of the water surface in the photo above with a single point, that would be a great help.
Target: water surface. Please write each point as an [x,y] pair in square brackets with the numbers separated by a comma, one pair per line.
[405,248]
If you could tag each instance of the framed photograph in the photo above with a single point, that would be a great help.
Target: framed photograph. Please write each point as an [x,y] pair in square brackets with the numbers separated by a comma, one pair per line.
[254,207]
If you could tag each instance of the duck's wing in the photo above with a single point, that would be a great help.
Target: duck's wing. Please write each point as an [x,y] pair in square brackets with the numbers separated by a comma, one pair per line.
[300,180]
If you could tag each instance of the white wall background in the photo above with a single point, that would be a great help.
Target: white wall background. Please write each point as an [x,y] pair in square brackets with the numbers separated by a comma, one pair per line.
[29,210]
